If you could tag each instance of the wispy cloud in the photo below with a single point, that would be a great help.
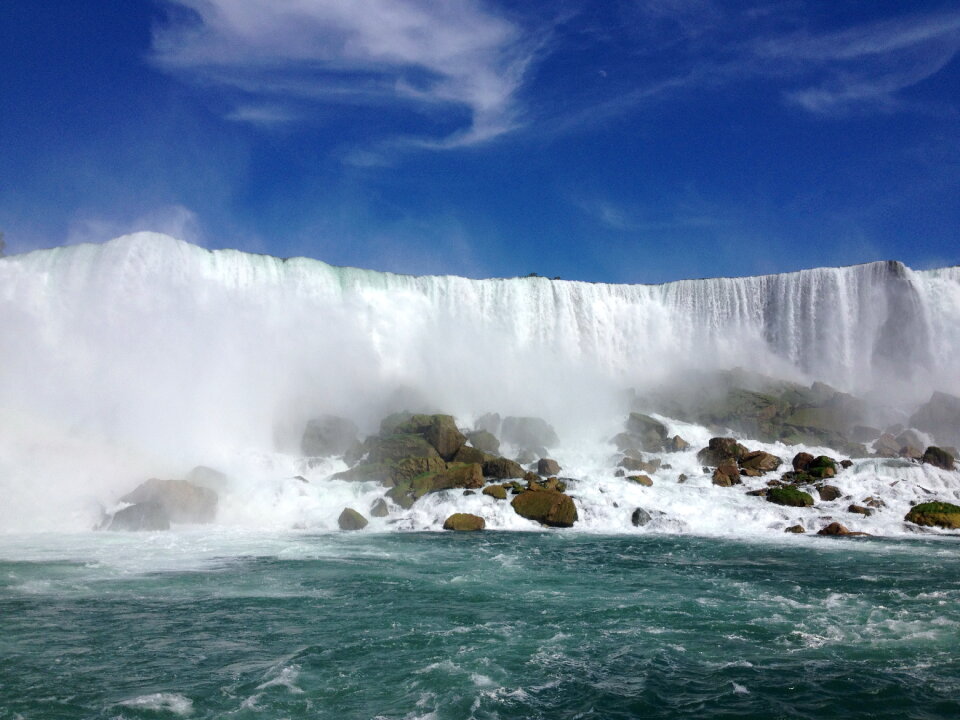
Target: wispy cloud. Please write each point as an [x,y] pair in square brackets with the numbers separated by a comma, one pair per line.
[864,66]
[456,54]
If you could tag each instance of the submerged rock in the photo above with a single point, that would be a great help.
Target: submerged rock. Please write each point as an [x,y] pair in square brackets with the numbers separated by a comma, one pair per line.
[554,509]
[182,501]
[350,519]
[935,514]
[141,517]
[464,522]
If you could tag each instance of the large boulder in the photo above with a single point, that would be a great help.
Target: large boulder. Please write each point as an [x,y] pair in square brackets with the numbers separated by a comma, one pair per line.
[938,458]
[547,507]
[489,422]
[935,514]
[503,469]
[834,528]
[350,519]
[640,517]
[497,492]
[886,445]
[464,522]
[467,454]
[456,475]
[651,434]
[529,432]
[439,430]
[182,501]
[829,493]
[801,461]
[822,467]
[760,461]
[547,466]
[720,449]
[146,517]
[640,465]
[400,446]
[485,441]
[328,435]
[939,416]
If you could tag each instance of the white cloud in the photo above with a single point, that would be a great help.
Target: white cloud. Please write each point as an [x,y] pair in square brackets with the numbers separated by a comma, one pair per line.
[428,54]
[865,65]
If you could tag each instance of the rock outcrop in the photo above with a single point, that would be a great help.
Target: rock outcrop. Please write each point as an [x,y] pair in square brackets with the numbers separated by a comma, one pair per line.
[181,501]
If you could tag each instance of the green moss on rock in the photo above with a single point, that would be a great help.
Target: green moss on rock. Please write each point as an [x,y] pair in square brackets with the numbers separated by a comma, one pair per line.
[789,496]
[935,514]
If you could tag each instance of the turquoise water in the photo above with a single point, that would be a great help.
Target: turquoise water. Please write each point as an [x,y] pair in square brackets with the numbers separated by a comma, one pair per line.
[491,625]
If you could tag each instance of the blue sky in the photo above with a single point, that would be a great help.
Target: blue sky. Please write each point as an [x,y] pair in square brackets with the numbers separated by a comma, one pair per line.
[622,141]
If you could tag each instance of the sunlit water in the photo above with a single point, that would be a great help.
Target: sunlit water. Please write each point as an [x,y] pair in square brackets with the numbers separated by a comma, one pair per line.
[491,625]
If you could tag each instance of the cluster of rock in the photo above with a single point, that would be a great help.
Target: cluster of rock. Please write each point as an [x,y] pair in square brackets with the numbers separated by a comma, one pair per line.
[773,410]
[414,455]
[155,504]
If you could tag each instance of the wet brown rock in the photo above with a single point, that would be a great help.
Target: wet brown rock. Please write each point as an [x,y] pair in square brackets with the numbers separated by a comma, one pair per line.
[464,522]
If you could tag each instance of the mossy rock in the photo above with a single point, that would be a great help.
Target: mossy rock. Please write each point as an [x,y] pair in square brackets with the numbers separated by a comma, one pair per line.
[440,431]
[464,522]
[484,441]
[496,491]
[397,447]
[456,475]
[502,469]
[822,467]
[720,449]
[935,514]
[411,467]
[789,496]
[554,509]
[350,519]
[938,458]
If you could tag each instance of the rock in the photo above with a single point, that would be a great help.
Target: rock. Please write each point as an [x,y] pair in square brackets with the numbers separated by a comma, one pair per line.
[875,503]
[467,454]
[627,444]
[440,431]
[834,528]
[547,507]
[720,449]
[677,444]
[789,496]
[379,509]
[801,461]
[182,502]
[638,465]
[864,433]
[145,517]
[370,472]
[490,423]
[207,477]
[846,464]
[762,462]
[455,476]
[496,491]
[938,458]
[485,441]
[682,478]
[860,510]
[762,492]
[640,517]
[886,446]
[939,416]
[822,467]
[935,514]
[350,519]
[554,484]
[641,480]
[829,493]
[328,435]
[502,469]
[547,466]
[398,447]
[795,529]
[727,473]
[529,432]
[651,434]
[464,522]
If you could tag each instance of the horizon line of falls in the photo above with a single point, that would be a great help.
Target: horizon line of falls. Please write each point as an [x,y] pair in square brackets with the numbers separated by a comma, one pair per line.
[148,354]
